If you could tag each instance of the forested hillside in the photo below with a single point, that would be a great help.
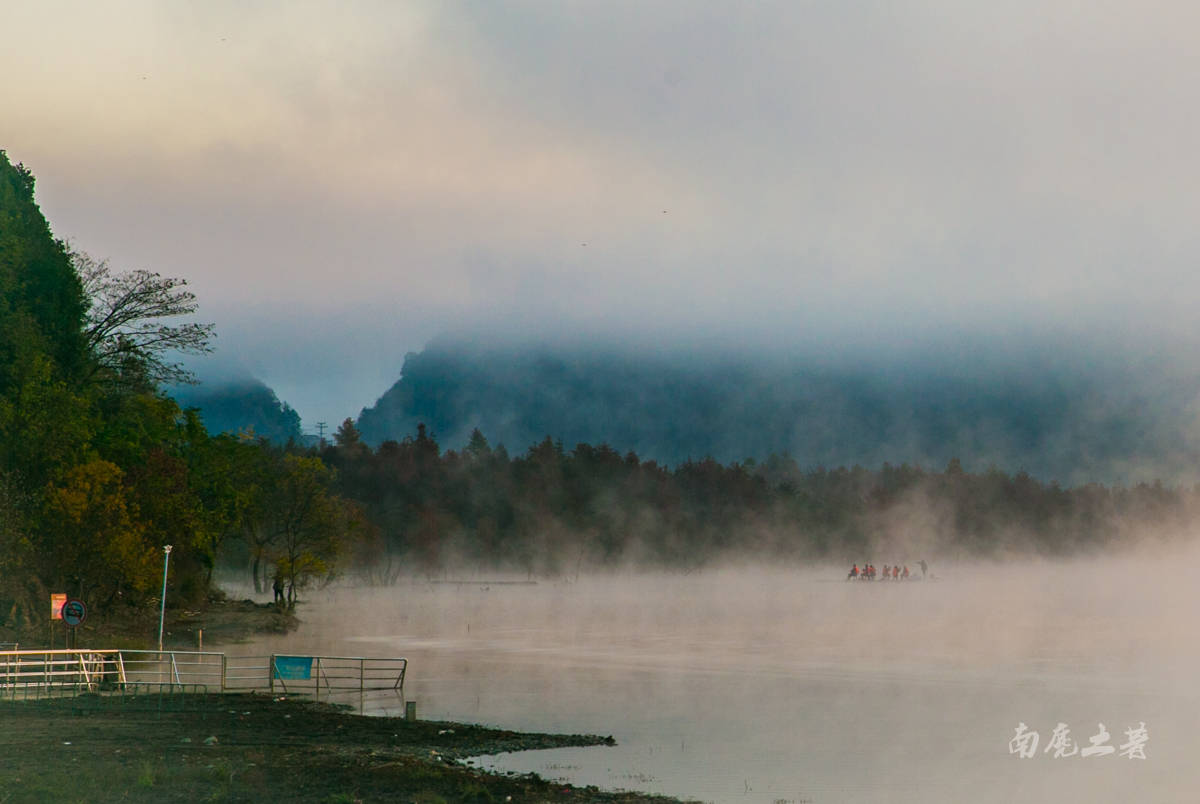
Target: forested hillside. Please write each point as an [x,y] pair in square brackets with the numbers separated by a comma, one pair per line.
[246,407]
[99,468]
[1086,424]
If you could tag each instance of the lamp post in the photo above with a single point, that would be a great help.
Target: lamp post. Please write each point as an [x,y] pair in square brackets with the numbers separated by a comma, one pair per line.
[163,611]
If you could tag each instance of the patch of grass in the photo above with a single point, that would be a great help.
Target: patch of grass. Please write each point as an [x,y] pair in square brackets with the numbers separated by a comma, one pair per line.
[473,793]
[146,776]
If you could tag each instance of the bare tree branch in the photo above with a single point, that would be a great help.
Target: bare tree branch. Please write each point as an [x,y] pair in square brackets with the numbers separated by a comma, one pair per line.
[123,329]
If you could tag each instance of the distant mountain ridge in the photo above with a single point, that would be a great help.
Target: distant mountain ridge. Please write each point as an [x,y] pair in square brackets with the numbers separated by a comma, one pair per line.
[244,405]
[1072,427]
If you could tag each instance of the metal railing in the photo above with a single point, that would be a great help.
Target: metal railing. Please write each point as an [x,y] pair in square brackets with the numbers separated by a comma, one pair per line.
[45,673]
[26,673]
[247,673]
[298,675]
[176,667]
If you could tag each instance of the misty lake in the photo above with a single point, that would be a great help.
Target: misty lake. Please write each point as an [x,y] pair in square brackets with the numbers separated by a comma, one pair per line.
[769,685]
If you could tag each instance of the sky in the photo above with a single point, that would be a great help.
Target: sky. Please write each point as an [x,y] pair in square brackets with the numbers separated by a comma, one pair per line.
[340,182]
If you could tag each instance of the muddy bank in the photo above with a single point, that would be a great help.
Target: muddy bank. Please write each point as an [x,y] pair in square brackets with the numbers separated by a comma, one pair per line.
[260,749]
[225,622]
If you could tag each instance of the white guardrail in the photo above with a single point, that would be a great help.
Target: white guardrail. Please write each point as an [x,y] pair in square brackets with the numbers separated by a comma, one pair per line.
[43,673]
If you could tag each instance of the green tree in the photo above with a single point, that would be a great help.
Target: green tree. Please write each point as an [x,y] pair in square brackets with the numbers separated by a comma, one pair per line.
[45,425]
[347,436]
[313,527]
[478,447]
[42,302]
[228,476]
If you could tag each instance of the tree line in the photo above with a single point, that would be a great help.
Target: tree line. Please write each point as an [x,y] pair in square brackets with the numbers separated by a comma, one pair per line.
[553,510]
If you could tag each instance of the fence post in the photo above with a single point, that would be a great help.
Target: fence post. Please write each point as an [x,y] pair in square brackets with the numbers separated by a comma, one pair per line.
[222,672]
[317,677]
[271,674]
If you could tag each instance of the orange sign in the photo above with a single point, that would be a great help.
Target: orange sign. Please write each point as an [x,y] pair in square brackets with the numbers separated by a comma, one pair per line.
[56,604]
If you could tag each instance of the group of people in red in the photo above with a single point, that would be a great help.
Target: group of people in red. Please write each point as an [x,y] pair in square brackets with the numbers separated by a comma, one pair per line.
[867,573]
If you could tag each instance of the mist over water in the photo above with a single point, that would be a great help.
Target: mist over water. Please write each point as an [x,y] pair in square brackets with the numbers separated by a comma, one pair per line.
[757,684]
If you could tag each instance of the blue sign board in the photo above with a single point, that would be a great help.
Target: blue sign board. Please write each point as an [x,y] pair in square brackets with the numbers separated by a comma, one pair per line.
[293,667]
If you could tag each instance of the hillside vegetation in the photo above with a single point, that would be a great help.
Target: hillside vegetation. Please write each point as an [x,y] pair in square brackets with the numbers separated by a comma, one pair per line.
[1056,414]
[100,469]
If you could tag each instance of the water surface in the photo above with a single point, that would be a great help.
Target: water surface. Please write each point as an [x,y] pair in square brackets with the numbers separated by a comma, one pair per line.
[767,685]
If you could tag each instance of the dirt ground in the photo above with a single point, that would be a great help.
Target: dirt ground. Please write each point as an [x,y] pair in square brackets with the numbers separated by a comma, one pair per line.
[224,622]
[255,748]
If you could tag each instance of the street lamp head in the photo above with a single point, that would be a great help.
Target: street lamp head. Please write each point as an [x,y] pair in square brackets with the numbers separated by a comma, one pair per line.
[167,549]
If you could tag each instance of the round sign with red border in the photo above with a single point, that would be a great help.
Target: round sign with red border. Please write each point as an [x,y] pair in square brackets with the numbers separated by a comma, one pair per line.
[74,612]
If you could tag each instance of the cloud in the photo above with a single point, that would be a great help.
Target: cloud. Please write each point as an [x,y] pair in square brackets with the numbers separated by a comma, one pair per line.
[875,171]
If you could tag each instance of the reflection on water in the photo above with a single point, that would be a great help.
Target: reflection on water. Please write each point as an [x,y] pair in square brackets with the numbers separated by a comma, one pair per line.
[766,685]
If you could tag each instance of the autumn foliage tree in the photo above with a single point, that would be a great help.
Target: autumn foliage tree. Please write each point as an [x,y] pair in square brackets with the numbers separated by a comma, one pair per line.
[96,543]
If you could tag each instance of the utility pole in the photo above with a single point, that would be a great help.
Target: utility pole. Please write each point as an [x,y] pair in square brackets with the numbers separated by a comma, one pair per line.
[321,432]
